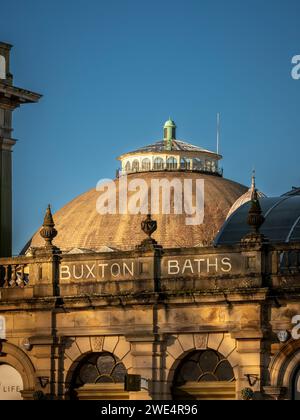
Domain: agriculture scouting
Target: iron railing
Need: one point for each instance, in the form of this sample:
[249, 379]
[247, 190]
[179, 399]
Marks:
[168, 168]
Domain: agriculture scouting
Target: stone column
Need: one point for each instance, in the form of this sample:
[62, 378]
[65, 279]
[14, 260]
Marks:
[10, 98]
[6, 146]
[147, 359]
[48, 347]
[250, 372]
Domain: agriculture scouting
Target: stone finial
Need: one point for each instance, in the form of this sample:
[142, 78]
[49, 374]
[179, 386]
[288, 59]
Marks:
[253, 183]
[48, 231]
[255, 220]
[255, 216]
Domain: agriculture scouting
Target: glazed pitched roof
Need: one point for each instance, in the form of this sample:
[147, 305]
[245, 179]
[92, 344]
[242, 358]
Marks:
[177, 145]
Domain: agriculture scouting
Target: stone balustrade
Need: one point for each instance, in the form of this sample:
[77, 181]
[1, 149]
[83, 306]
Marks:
[14, 275]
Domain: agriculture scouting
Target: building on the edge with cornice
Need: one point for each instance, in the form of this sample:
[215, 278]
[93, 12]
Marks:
[195, 311]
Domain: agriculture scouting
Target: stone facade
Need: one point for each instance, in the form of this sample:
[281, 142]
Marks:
[139, 307]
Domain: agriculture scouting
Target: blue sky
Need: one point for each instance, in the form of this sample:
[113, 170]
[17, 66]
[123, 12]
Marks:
[112, 71]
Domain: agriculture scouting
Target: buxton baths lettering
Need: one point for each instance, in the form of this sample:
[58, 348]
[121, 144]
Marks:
[130, 270]
[97, 271]
[210, 265]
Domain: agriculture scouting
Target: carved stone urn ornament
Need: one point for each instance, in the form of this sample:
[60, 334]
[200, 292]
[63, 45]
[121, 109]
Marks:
[48, 231]
[149, 226]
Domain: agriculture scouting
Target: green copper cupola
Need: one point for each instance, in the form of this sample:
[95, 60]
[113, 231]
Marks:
[169, 133]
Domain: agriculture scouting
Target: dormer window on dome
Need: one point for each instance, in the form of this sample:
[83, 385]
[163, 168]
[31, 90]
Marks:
[170, 154]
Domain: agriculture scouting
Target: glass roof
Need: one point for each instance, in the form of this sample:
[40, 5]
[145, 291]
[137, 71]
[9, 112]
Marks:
[176, 145]
[282, 222]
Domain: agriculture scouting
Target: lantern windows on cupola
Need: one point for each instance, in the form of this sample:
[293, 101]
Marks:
[170, 154]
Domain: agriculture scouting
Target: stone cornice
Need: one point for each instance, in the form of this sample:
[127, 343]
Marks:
[19, 95]
[7, 144]
[146, 299]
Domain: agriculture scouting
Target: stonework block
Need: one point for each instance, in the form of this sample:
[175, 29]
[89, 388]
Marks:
[97, 344]
[73, 352]
[175, 348]
[67, 365]
[187, 342]
[122, 348]
[214, 341]
[128, 362]
[65, 320]
[235, 359]
[143, 362]
[84, 344]
[143, 316]
[141, 395]
[249, 359]
[110, 344]
[142, 347]
[248, 346]
[169, 361]
[227, 346]
[43, 364]
[92, 319]
[24, 321]
[201, 341]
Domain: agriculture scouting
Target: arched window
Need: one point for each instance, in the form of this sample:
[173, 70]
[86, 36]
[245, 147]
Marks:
[135, 166]
[197, 164]
[213, 166]
[171, 163]
[185, 164]
[202, 375]
[2, 67]
[208, 165]
[128, 167]
[146, 164]
[96, 369]
[158, 164]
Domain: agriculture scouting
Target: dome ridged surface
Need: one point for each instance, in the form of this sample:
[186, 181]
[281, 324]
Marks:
[79, 225]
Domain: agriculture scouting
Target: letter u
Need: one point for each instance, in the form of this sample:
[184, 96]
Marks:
[74, 272]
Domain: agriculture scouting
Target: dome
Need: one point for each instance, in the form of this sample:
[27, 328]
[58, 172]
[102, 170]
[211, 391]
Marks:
[245, 198]
[79, 225]
[281, 225]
